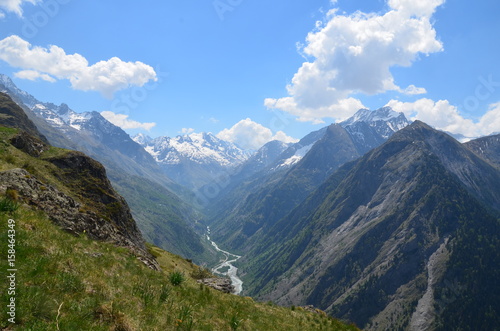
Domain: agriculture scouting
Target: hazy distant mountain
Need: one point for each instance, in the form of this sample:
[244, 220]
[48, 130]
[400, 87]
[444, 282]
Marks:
[86, 205]
[297, 151]
[266, 156]
[251, 208]
[194, 160]
[88, 132]
[487, 147]
[160, 213]
[142, 139]
[404, 238]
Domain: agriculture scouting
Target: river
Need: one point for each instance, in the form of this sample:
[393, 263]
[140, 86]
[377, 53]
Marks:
[229, 258]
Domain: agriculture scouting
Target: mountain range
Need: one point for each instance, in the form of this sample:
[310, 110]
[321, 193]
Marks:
[406, 237]
[386, 223]
[252, 207]
[193, 160]
[86, 266]
[161, 207]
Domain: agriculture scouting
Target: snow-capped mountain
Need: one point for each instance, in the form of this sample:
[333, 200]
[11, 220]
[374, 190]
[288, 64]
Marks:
[268, 153]
[293, 154]
[142, 139]
[88, 132]
[260, 160]
[62, 116]
[385, 121]
[193, 160]
[202, 148]
[8, 86]
[369, 129]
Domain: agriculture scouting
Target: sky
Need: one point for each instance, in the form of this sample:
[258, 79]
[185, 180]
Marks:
[251, 71]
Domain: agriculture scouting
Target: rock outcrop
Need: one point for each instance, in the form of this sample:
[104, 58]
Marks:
[71, 215]
[220, 284]
[29, 144]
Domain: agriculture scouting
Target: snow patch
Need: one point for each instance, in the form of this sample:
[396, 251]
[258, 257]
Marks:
[299, 155]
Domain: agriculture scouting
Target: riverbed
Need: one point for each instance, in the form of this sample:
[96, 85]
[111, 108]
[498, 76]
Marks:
[225, 263]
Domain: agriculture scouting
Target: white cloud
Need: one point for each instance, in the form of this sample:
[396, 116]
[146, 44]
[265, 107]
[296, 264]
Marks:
[251, 135]
[341, 109]
[106, 77]
[353, 54]
[413, 90]
[14, 6]
[444, 116]
[34, 75]
[187, 130]
[122, 121]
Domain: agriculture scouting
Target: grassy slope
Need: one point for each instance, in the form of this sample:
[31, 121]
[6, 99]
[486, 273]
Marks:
[157, 213]
[73, 283]
[65, 282]
[162, 217]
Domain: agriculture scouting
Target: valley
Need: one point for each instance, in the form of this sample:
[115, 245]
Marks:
[236, 165]
[377, 220]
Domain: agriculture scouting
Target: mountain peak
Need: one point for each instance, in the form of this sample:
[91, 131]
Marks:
[385, 114]
[194, 159]
[63, 109]
[418, 130]
[5, 80]
[142, 139]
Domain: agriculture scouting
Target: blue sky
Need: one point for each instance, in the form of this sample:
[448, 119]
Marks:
[245, 69]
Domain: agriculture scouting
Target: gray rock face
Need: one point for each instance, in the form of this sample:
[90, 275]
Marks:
[29, 144]
[220, 284]
[381, 242]
[67, 213]
[487, 147]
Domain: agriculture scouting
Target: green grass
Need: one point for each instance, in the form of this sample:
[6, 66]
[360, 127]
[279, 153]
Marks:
[66, 282]
[74, 283]
[8, 205]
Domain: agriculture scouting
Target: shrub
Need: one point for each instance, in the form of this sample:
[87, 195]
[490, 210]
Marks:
[8, 206]
[164, 293]
[176, 278]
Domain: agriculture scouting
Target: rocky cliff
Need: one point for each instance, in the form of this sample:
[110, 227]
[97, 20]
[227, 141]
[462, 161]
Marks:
[70, 187]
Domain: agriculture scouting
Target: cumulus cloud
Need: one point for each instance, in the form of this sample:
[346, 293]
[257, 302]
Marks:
[106, 77]
[352, 54]
[14, 6]
[122, 121]
[341, 109]
[187, 130]
[251, 135]
[444, 116]
[34, 75]
[413, 90]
